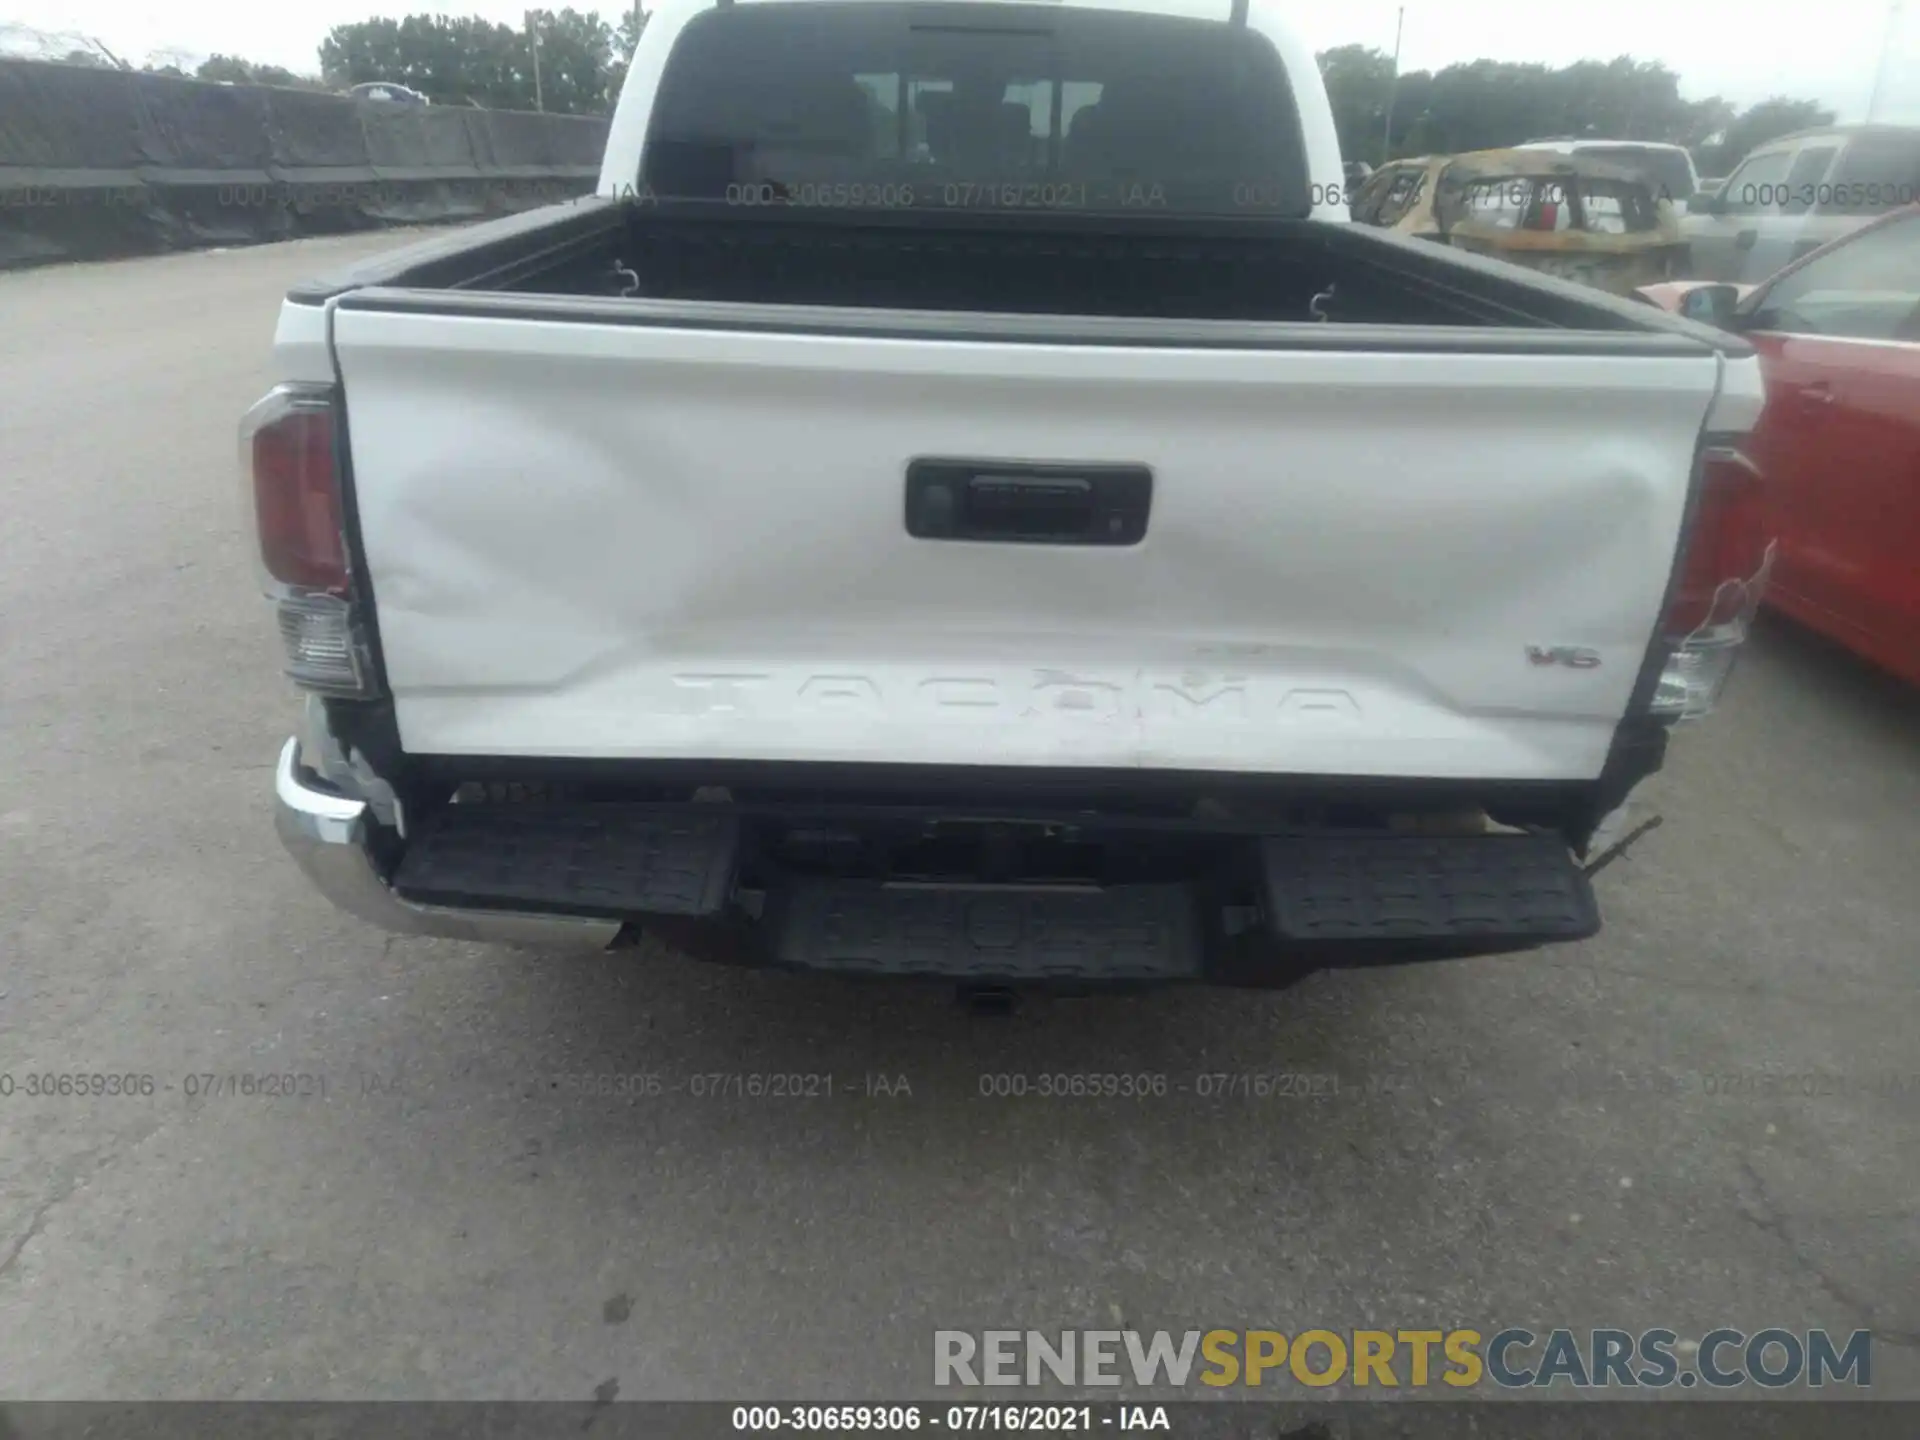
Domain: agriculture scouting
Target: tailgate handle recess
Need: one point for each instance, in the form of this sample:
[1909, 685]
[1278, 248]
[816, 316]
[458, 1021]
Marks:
[992, 501]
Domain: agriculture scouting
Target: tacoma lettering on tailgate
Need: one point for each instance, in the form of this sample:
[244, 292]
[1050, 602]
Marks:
[1229, 699]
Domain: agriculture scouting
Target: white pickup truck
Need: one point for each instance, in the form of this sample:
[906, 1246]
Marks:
[960, 500]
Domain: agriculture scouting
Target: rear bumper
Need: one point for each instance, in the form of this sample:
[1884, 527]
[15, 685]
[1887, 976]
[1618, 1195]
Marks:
[330, 837]
[1246, 907]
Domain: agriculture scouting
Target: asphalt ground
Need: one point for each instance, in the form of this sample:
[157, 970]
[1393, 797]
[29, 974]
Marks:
[1707, 1116]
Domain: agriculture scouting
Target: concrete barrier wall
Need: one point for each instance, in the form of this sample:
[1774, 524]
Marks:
[96, 163]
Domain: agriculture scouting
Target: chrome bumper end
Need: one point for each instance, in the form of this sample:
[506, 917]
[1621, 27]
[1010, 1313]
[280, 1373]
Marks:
[328, 836]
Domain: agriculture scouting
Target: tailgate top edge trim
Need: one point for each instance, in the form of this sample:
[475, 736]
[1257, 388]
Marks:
[985, 326]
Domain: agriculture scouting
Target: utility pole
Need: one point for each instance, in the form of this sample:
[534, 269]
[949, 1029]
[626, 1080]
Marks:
[1886, 53]
[1393, 89]
[533, 39]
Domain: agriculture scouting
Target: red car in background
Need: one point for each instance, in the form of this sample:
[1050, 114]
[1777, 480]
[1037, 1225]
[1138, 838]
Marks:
[1838, 333]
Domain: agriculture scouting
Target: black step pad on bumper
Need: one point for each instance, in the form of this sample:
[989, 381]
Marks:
[1135, 932]
[1402, 887]
[601, 860]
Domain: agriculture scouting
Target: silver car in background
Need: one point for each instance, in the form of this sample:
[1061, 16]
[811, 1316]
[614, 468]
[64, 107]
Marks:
[389, 91]
[1793, 195]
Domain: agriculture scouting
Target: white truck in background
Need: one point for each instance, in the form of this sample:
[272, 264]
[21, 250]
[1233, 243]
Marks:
[961, 501]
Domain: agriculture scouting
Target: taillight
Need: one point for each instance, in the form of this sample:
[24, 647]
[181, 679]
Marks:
[297, 501]
[1722, 575]
[287, 453]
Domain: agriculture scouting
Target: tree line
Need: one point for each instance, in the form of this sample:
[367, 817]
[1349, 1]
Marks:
[469, 61]
[455, 60]
[214, 67]
[1478, 105]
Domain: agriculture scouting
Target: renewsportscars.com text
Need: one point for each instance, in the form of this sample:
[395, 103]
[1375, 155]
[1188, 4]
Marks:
[1512, 1358]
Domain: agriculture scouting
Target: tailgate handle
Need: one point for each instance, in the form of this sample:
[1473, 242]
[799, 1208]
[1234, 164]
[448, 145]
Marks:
[991, 501]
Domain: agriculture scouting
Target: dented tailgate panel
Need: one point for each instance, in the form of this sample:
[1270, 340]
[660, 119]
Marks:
[596, 540]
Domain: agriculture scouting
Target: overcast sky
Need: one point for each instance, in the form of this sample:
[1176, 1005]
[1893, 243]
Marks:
[1743, 50]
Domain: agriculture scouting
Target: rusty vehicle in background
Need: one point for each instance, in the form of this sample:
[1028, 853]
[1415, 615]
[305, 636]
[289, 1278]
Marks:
[1669, 168]
[1571, 216]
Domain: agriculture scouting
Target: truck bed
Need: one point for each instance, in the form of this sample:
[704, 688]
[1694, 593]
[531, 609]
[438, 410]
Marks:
[1041, 264]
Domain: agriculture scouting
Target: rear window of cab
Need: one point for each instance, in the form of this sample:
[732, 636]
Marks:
[935, 106]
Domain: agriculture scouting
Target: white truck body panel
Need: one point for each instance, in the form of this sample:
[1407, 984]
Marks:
[603, 540]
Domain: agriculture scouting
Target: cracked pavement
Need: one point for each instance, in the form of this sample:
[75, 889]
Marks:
[1582, 1137]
